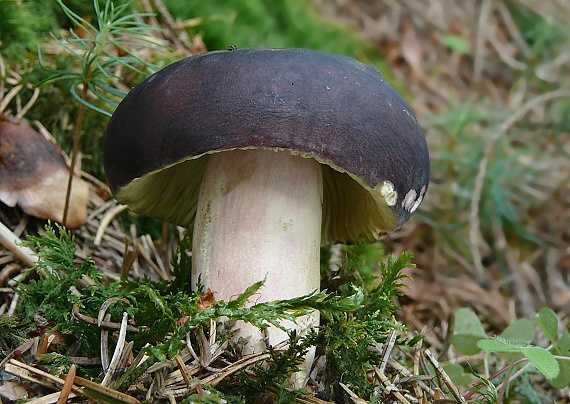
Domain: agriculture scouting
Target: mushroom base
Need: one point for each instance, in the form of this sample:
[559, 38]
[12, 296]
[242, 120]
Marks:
[259, 217]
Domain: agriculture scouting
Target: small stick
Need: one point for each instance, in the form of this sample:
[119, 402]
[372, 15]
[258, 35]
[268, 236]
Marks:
[441, 373]
[388, 350]
[353, 396]
[104, 324]
[183, 370]
[74, 152]
[390, 388]
[13, 244]
[34, 375]
[66, 389]
[419, 384]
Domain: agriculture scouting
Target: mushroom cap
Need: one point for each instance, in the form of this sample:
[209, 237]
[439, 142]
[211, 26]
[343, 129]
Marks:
[34, 175]
[316, 105]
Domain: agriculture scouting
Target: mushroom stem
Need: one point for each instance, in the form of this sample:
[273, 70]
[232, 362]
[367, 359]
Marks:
[259, 214]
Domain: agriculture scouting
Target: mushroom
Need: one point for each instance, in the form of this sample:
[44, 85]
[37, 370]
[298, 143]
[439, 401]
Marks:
[33, 175]
[267, 154]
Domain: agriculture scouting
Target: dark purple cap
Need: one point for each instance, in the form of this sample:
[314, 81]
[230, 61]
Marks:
[333, 108]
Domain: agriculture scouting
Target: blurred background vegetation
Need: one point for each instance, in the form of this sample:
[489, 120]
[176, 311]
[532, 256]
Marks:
[489, 81]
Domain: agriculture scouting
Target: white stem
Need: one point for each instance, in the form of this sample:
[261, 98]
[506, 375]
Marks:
[259, 214]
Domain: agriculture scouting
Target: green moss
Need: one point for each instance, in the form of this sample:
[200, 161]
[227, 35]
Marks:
[21, 28]
[352, 320]
[268, 23]
[25, 23]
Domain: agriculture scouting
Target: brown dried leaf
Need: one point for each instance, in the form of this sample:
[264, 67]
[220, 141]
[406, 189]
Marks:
[206, 301]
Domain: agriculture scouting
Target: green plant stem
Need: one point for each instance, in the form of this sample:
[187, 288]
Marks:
[498, 373]
[74, 152]
[505, 383]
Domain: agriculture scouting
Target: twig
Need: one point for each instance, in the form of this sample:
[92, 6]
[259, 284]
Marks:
[78, 360]
[103, 324]
[504, 53]
[13, 244]
[66, 389]
[183, 369]
[34, 375]
[353, 396]
[443, 375]
[388, 350]
[176, 35]
[74, 152]
[390, 388]
[416, 378]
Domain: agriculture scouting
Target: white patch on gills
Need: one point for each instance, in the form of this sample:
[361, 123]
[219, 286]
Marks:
[388, 192]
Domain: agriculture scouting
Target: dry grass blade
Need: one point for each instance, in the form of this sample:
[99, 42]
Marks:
[50, 398]
[105, 391]
[105, 345]
[243, 363]
[118, 351]
[353, 396]
[69, 389]
[32, 374]
[418, 380]
[391, 389]
[105, 221]
[443, 375]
